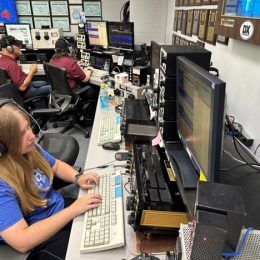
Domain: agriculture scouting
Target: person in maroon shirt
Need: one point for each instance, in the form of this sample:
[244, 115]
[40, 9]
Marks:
[11, 49]
[64, 57]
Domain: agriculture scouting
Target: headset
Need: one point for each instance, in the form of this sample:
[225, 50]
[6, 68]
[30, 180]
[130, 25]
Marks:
[4, 101]
[69, 48]
[9, 47]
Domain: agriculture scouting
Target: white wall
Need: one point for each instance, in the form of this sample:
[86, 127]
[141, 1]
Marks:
[110, 12]
[239, 67]
[150, 19]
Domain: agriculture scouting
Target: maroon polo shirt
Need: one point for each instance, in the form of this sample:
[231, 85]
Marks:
[13, 70]
[74, 72]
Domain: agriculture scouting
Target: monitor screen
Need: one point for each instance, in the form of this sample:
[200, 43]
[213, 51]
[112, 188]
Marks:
[97, 33]
[8, 13]
[242, 8]
[21, 32]
[121, 35]
[200, 116]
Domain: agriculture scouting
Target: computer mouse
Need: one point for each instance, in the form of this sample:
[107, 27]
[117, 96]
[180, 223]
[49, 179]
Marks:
[111, 146]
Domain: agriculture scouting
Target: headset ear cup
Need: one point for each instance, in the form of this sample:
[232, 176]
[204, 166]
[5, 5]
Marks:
[3, 148]
[10, 48]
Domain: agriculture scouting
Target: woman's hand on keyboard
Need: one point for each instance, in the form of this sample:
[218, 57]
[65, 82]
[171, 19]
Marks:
[85, 203]
[88, 180]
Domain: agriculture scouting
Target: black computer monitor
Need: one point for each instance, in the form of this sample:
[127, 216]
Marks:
[8, 12]
[121, 35]
[97, 33]
[21, 32]
[200, 116]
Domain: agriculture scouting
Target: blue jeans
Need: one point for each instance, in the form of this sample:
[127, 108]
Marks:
[38, 88]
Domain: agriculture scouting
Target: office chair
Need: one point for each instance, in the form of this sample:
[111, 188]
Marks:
[70, 102]
[3, 76]
[30, 103]
[62, 147]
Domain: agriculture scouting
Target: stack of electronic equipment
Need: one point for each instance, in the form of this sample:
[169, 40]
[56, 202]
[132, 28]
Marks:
[164, 84]
[136, 123]
[155, 202]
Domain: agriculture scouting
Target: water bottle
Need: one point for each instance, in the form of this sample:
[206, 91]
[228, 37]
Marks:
[103, 96]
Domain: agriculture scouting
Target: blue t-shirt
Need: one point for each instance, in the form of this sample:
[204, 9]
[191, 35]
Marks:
[10, 210]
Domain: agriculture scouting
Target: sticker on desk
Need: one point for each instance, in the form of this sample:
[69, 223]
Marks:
[118, 180]
[157, 139]
[118, 120]
[118, 192]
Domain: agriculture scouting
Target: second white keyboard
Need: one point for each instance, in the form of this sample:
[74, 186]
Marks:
[104, 226]
[99, 73]
[109, 128]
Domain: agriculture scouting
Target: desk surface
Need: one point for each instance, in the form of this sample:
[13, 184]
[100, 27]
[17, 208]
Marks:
[97, 156]
[26, 67]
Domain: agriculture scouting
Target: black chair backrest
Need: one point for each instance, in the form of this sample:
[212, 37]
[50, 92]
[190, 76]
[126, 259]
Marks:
[3, 76]
[10, 90]
[58, 78]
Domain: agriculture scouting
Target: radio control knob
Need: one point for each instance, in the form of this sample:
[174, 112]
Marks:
[131, 219]
[130, 203]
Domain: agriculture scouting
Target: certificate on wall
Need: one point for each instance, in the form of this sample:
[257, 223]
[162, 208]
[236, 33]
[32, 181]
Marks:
[192, 2]
[173, 38]
[186, 2]
[189, 23]
[179, 19]
[204, 14]
[198, 2]
[184, 21]
[206, 2]
[75, 11]
[92, 8]
[175, 21]
[40, 21]
[177, 40]
[59, 8]
[75, 2]
[61, 22]
[214, 2]
[195, 24]
[211, 35]
[26, 19]
[23, 8]
[41, 8]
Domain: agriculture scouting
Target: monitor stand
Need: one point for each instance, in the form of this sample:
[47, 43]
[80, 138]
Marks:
[183, 165]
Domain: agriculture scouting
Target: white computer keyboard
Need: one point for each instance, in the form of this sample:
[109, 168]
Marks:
[99, 73]
[104, 226]
[109, 128]
[26, 68]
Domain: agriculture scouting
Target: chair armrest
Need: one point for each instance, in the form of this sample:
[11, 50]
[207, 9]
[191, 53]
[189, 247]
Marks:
[78, 91]
[46, 111]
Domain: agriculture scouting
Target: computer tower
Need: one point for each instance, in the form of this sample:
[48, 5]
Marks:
[167, 111]
[169, 54]
[209, 235]
[168, 130]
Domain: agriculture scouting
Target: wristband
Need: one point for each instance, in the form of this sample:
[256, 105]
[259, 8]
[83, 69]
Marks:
[76, 177]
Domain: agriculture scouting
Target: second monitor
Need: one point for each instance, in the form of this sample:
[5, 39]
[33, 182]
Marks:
[121, 35]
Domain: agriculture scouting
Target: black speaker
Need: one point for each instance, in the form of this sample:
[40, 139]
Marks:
[227, 200]
[209, 236]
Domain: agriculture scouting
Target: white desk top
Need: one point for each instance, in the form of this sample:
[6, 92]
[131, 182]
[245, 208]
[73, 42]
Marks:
[97, 156]
[26, 68]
